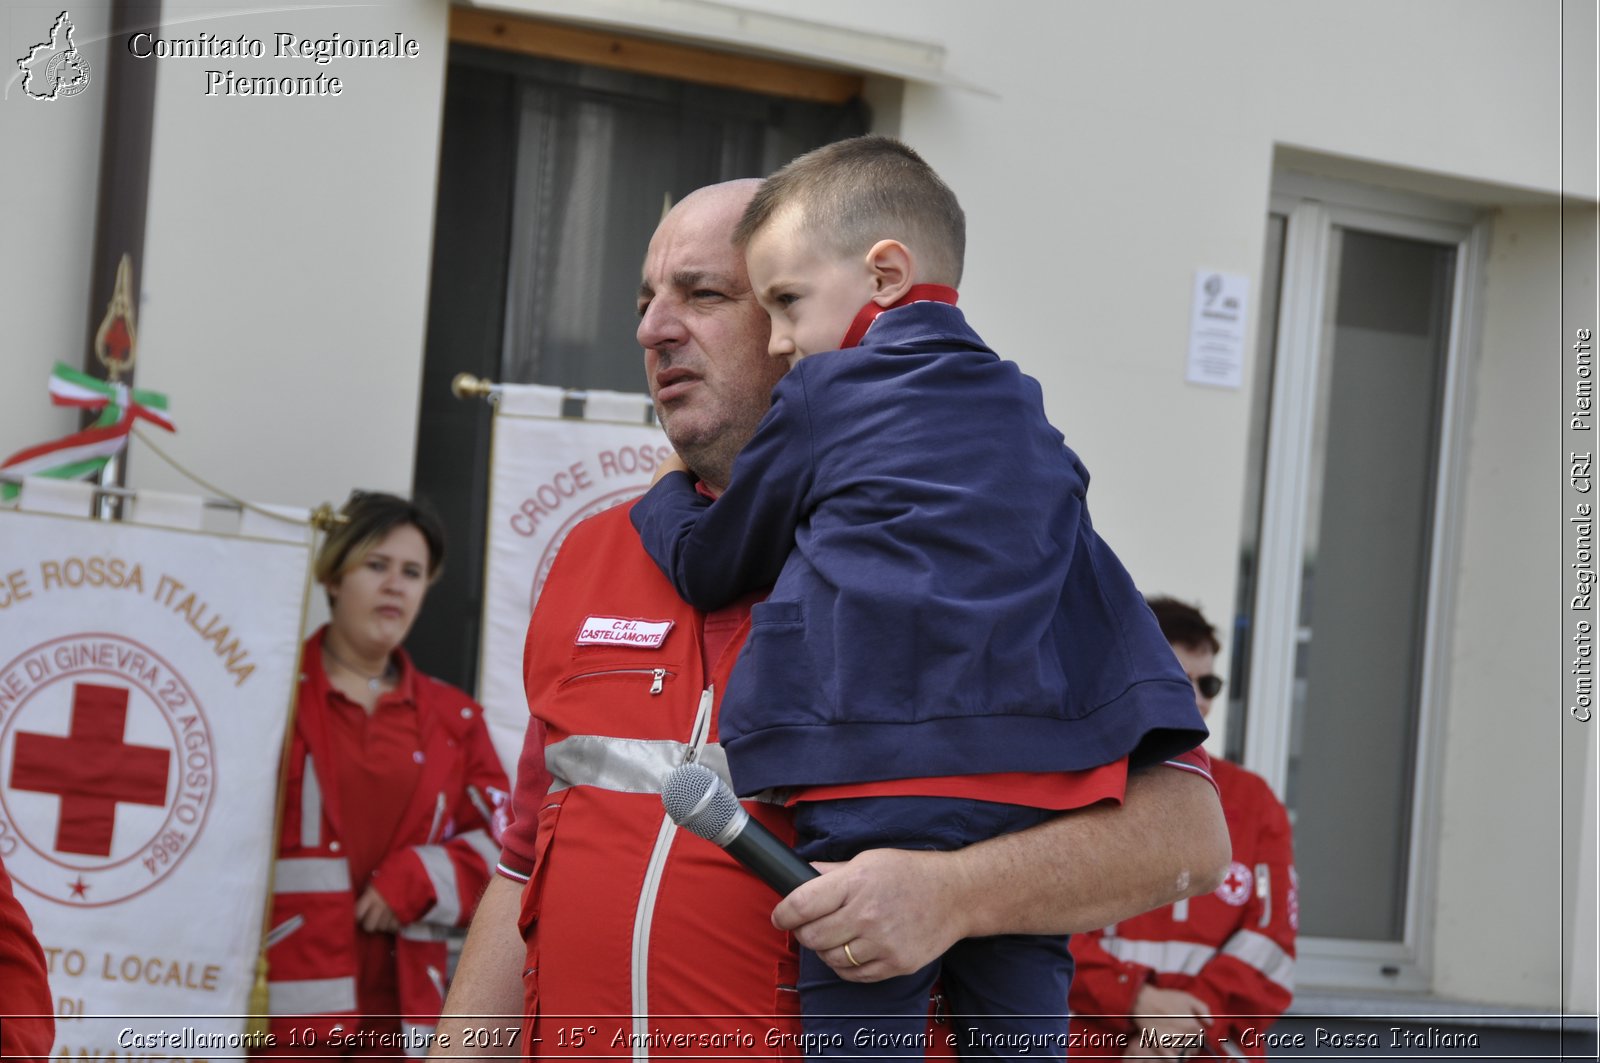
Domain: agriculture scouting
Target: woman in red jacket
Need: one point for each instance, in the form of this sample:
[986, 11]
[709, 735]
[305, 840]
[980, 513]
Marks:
[389, 830]
[1207, 976]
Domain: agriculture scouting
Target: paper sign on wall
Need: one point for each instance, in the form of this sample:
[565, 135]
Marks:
[1217, 328]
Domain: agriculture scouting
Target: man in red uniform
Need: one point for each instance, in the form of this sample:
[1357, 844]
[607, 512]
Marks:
[1206, 975]
[632, 938]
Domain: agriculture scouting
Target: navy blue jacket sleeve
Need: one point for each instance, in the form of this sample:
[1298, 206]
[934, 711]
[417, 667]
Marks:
[716, 552]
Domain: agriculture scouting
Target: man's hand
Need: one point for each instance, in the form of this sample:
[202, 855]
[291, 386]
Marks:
[888, 905]
[374, 914]
[1176, 1021]
[898, 909]
[672, 464]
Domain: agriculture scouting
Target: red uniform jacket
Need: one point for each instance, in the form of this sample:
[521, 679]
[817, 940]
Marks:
[1233, 948]
[642, 939]
[442, 855]
[23, 988]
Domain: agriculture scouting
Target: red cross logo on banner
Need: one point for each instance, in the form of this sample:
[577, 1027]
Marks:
[92, 769]
[107, 769]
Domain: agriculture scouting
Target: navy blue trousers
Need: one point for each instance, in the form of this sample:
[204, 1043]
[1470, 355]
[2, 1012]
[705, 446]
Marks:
[1006, 995]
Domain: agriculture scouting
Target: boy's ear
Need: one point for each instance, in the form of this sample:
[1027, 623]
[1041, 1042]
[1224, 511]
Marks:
[893, 271]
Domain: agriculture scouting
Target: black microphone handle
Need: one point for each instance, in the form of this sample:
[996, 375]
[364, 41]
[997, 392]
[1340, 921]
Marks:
[773, 862]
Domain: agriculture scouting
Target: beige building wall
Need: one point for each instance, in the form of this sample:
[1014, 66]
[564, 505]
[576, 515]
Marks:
[1499, 843]
[288, 256]
[47, 204]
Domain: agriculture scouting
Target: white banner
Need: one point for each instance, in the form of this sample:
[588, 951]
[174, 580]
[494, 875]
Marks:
[145, 681]
[547, 473]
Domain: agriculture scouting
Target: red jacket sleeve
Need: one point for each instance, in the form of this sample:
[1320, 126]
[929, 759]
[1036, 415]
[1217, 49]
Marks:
[1103, 987]
[1252, 974]
[28, 1026]
[441, 883]
[519, 842]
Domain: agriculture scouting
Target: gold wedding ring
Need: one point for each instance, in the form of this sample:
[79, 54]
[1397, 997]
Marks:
[851, 956]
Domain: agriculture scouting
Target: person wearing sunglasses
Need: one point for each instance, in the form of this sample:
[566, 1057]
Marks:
[1203, 977]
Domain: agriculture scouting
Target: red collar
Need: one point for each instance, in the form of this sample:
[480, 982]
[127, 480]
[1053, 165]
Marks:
[918, 293]
[405, 687]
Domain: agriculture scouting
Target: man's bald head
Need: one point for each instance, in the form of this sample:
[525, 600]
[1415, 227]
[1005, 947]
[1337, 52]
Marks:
[713, 205]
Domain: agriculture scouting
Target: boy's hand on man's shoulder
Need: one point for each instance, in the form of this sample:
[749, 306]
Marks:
[672, 464]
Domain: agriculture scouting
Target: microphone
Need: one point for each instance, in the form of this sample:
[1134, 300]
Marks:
[697, 800]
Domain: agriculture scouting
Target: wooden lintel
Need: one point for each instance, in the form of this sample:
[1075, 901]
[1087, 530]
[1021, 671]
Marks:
[702, 66]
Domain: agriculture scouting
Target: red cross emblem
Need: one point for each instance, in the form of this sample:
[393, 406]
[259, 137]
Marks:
[1236, 885]
[91, 769]
[107, 769]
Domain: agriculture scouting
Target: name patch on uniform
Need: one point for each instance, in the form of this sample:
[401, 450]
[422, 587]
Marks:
[617, 631]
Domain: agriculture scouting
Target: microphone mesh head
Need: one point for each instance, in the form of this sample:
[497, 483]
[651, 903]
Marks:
[697, 800]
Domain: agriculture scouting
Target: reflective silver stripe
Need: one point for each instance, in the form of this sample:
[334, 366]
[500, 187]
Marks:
[1180, 910]
[480, 804]
[417, 1038]
[632, 765]
[623, 765]
[442, 876]
[310, 806]
[312, 996]
[311, 874]
[1168, 957]
[1264, 954]
[438, 817]
[481, 844]
[284, 929]
[429, 932]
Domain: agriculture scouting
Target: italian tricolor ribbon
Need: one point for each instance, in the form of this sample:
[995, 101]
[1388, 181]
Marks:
[85, 453]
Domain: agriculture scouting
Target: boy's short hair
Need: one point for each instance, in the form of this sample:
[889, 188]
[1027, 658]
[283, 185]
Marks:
[369, 518]
[856, 192]
[1184, 625]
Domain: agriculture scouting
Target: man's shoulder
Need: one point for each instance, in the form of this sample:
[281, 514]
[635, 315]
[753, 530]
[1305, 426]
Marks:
[607, 537]
[610, 522]
[601, 558]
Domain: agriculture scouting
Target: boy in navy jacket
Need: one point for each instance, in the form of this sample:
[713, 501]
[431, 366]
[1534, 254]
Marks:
[949, 652]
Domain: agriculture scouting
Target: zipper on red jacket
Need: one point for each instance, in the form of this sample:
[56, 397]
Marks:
[658, 676]
[644, 914]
